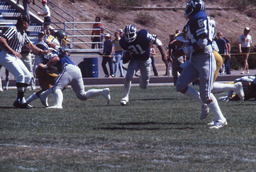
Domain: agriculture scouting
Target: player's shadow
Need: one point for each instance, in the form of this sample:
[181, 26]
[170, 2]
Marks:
[148, 126]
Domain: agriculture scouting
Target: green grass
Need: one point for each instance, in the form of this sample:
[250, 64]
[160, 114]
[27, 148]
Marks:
[159, 130]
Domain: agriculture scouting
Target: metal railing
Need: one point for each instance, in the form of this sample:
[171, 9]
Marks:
[82, 36]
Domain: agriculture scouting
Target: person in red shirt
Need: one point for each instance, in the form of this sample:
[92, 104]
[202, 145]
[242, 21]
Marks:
[97, 32]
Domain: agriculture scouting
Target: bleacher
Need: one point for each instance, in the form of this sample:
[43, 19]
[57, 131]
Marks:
[9, 12]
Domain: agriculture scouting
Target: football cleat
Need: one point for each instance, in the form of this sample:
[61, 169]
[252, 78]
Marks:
[211, 123]
[219, 124]
[25, 106]
[239, 90]
[124, 101]
[204, 111]
[224, 98]
[54, 107]
[44, 100]
[106, 94]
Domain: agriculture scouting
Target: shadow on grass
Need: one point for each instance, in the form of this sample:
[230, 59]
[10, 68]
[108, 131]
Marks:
[144, 126]
[7, 107]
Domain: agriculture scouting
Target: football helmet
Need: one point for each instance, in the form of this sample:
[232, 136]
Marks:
[62, 38]
[130, 33]
[194, 6]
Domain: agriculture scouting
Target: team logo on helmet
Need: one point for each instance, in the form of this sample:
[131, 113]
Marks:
[130, 33]
[193, 7]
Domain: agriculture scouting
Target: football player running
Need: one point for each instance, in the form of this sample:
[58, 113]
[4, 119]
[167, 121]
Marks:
[138, 46]
[202, 64]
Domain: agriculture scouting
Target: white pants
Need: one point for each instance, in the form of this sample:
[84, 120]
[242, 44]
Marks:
[16, 67]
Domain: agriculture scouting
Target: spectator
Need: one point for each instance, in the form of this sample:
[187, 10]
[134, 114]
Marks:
[118, 55]
[121, 32]
[26, 6]
[169, 55]
[107, 56]
[223, 49]
[245, 42]
[47, 17]
[97, 32]
[180, 41]
[227, 59]
[152, 53]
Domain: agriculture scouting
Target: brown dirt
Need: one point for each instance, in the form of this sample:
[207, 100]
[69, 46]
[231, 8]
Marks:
[230, 22]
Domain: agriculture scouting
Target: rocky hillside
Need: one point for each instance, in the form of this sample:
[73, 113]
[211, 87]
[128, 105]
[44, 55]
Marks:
[160, 22]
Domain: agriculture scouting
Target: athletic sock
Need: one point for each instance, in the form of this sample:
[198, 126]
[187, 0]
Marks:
[192, 93]
[214, 107]
[31, 98]
[219, 87]
[58, 95]
[127, 88]
[93, 93]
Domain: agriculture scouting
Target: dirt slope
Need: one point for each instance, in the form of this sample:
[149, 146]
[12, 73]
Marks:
[229, 22]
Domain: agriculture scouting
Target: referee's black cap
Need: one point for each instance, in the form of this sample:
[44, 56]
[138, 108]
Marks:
[21, 19]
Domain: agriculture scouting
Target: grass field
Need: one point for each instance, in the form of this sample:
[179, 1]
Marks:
[159, 130]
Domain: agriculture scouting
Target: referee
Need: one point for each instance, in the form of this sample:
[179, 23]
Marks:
[11, 43]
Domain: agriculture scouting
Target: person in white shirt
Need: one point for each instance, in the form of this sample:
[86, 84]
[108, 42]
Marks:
[245, 42]
[47, 17]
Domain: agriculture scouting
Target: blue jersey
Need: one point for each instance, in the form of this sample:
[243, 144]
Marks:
[221, 45]
[140, 47]
[64, 60]
[198, 26]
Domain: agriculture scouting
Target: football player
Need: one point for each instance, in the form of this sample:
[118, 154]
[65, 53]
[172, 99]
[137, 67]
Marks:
[138, 46]
[202, 63]
[69, 74]
[248, 85]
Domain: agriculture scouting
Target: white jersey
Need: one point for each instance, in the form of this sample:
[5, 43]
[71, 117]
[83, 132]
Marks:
[46, 10]
[245, 41]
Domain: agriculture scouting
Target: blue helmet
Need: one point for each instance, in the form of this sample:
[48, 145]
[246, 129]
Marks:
[130, 33]
[194, 6]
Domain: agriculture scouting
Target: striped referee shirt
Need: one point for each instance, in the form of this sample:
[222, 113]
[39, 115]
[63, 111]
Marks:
[16, 39]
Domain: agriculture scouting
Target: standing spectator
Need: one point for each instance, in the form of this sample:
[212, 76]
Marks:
[245, 42]
[107, 56]
[118, 55]
[10, 48]
[228, 57]
[97, 32]
[179, 42]
[26, 6]
[169, 55]
[223, 49]
[137, 44]
[152, 54]
[47, 17]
